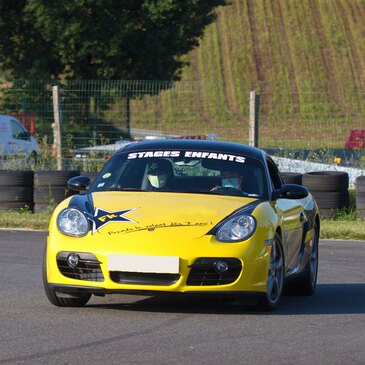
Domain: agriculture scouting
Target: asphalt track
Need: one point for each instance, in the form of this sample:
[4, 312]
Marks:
[328, 328]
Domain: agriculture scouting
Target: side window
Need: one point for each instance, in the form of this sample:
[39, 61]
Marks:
[274, 174]
[17, 130]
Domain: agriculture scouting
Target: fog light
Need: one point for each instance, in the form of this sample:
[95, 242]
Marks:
[221, 266]
[73, 260]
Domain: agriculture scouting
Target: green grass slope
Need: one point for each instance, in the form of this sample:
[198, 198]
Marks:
[306, 58]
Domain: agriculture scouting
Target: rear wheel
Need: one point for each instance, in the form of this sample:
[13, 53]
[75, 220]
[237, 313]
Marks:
[307, 283]
[59, 299]
[275, 278]
[32, 159]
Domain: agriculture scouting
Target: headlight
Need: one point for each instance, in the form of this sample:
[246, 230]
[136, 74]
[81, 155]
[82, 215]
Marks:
[237, 228]
[72, 222]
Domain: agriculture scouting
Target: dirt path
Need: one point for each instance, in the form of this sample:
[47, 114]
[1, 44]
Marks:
[357, 68]
[199, 99]
[326, 54]
[260, 70]
[276, 9]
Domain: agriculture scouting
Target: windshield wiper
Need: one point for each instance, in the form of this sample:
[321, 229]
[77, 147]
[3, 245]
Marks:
[124, 189]
[131, 189]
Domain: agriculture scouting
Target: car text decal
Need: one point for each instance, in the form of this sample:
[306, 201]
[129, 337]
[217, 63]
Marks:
[190, 154]
[153, 226]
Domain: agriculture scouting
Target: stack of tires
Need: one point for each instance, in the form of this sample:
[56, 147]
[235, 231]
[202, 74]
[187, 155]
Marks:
[329, 189]
[360, 196]
[292, 177]
[16, 190]
[50, 188]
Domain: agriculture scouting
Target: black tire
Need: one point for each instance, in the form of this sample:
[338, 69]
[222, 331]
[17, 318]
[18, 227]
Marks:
[360, 201]
[332, 199]
[77, 300]
[328, 213]
[307, 281]
[360, 213]
[360, 184]
[42, 207]
[292, 178]
[11, 194]
[52, 194]
[275, 280]
[53, 178]
[16, 178]
[326, 181]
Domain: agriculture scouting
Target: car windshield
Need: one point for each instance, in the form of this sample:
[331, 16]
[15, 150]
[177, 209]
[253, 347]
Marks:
[202, 172]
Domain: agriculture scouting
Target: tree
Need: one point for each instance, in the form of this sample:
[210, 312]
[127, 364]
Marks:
[101, 39]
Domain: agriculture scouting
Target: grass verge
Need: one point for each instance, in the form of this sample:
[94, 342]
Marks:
[25, 220]
[341, 228]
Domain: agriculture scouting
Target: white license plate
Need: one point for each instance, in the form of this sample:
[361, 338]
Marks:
[147, 264]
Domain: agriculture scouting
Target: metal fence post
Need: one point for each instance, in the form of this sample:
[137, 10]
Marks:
[253, 135]
[129, 116]
[57, 142]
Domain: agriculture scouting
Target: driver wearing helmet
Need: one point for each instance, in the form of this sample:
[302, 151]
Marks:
[232, 179]
[160, 174]
[231, 183]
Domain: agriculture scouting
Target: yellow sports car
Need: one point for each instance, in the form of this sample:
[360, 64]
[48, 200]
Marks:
[183, 216]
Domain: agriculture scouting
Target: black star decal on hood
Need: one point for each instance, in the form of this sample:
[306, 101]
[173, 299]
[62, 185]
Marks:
[103, 217]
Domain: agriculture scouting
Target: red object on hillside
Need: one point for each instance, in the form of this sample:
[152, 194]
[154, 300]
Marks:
[27, 119]
[356, 140]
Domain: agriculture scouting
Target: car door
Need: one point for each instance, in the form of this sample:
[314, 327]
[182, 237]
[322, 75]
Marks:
[292, 216]
[19, 140]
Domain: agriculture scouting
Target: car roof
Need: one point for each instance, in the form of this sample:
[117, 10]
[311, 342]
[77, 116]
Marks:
[187, 144]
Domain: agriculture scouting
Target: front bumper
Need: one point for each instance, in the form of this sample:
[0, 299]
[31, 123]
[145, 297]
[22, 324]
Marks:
[196, 274]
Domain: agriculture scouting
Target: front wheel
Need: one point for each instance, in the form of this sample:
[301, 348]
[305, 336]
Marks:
[275, 278]
[74, 300]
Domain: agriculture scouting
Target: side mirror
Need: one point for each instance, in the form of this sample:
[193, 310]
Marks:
[79, 183]
[291, 191]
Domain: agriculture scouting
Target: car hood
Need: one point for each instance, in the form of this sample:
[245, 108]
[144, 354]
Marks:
[132, 212]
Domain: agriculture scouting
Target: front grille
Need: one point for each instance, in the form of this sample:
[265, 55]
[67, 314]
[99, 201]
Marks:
[87, 269]
[204, 272]
[139, 278]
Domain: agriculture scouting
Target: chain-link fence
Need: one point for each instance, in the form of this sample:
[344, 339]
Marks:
[101, 112]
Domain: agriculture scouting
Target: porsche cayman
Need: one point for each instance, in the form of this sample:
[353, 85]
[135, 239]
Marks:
[185, 217]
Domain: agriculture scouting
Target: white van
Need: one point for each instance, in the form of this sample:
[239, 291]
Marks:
[15, 139]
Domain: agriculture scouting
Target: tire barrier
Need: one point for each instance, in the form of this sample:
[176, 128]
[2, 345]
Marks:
[326, 180]
[41, 190]
[360, 197]
[292, 177]
[50, 188]
[16, 190]
[329, 189]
